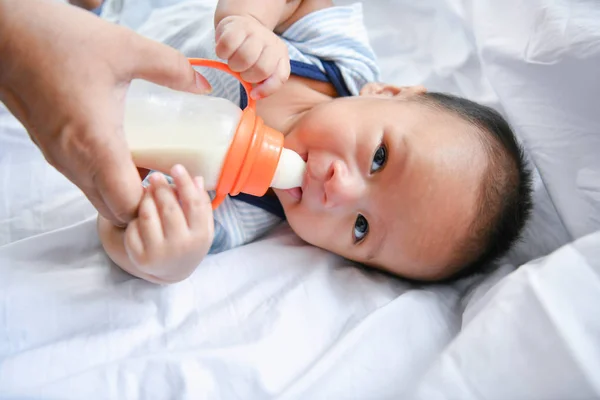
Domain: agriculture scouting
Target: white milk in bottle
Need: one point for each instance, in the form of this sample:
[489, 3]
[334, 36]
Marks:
[165, 127]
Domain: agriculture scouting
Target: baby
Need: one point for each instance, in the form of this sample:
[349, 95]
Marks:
[426, 186]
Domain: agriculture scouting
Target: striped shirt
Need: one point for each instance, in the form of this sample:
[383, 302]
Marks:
[333, 35]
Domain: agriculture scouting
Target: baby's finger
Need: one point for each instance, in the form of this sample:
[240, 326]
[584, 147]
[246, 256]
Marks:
[149, 225]
[200, 214]
[171, 216]
[265, 66]
[274, 82]
[188, 193]
[229, 41]
[133, 240]
[246, 55]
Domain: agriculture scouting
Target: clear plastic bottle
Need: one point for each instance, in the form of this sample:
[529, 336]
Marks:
[232, 149]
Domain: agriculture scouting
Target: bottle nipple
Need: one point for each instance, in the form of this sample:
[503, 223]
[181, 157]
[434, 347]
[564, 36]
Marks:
[290, 170]
[256, 158]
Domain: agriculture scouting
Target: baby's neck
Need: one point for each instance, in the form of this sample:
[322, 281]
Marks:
[282, 110]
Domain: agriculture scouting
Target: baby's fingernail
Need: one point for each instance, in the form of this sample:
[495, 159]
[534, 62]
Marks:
[154, 178]
[157, 178]
[202, 84]
[199, 181]
[178, 170]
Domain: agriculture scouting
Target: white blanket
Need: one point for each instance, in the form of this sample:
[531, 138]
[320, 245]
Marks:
[280, 319]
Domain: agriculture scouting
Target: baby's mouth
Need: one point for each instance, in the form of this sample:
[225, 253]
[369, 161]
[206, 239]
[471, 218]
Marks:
[297, 192]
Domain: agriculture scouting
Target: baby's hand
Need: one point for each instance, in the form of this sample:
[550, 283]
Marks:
[174, 228]
[255, 51]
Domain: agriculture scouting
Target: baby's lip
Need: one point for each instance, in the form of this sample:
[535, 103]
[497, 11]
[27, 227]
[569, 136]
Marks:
[308, 184]
[311, 191]
[296, 193]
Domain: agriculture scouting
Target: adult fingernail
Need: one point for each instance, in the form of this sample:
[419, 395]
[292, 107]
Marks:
[202, 84]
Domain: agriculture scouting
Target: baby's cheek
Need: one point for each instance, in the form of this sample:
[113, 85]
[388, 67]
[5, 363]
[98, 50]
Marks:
[304, 223]
[291, 142]
[299, 223]
[320, 229]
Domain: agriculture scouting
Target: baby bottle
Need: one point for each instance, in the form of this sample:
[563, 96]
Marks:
[232, 149]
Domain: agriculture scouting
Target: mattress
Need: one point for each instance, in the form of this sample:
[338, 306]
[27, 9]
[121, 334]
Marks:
[280, 319]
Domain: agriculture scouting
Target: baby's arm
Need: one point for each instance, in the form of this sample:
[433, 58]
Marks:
[245, 37]
[171, 235]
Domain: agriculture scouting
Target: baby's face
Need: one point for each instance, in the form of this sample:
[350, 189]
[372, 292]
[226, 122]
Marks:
[390, 183]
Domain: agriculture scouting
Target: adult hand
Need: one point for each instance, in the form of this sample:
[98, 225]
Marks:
[64, 74]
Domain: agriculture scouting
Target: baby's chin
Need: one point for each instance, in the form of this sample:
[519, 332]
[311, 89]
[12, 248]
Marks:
[289, 203]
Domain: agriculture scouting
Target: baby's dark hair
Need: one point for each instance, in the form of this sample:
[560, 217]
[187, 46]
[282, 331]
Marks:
[505, 193]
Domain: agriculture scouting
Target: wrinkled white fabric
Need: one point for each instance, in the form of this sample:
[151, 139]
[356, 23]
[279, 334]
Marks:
[280, 319]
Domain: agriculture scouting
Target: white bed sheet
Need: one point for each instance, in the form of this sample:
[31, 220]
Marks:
[279, 319]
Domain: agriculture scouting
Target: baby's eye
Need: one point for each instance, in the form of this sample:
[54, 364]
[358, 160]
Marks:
[361, 228]
[379, 159]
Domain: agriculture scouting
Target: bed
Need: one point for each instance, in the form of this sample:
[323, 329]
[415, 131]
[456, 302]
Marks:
[280, 319]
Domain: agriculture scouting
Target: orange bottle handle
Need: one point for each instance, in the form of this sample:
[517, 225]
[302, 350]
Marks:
[244, 135]
[203, 62]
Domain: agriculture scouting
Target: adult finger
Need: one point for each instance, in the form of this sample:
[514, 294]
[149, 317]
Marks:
[165, 66]
[100, 165]
[117, 180]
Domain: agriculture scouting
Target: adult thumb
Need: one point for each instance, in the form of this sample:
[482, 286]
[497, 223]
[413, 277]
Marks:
[165, 66]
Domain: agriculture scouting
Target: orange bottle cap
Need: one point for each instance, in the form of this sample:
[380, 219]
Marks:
[254, 153]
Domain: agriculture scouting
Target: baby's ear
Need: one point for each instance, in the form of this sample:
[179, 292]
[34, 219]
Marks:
[387, 90]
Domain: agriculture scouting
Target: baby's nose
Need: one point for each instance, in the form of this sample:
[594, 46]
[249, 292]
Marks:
[342, 187]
